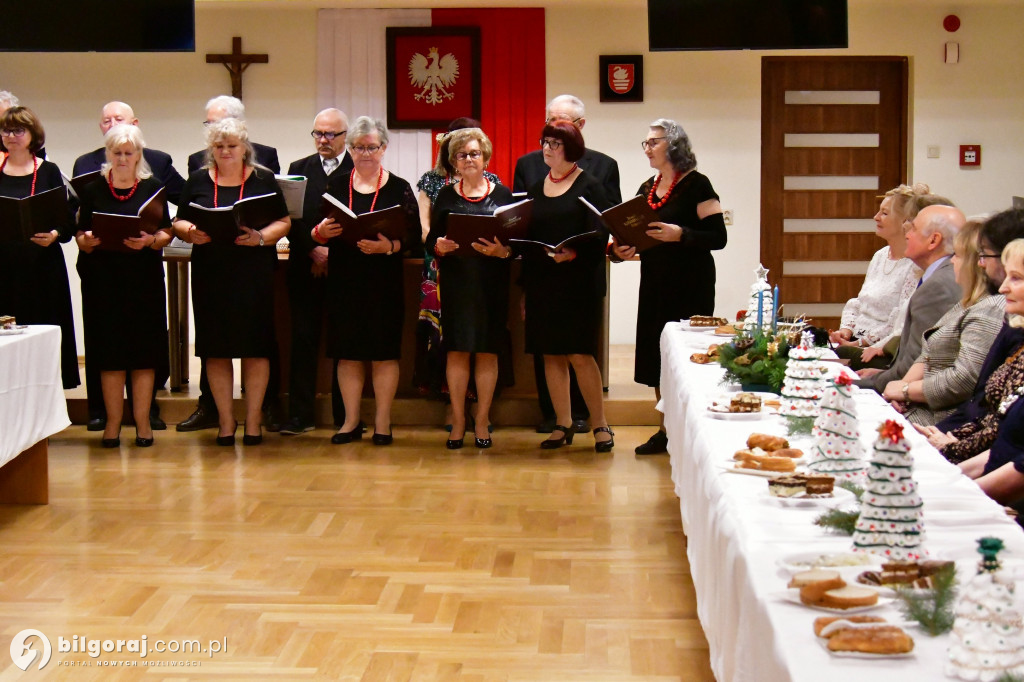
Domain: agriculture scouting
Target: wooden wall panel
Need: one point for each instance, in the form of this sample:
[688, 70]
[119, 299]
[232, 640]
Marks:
[829, 204]
[830, 245]
[833, 161]
[819, 288]
[830, 118]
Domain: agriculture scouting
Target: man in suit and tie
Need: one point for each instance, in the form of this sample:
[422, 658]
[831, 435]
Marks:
[205, 415]
[226, 106]
[117, 113]
[307, 272]
[112, 114]
[531, 169]
[930, 245]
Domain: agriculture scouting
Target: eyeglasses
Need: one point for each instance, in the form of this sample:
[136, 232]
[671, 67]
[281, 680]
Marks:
[13, 132]
[550, 143]
[652, 142]
[983, 256]
[474, 155]
[554, 119]
[372, 149]
[318, 134]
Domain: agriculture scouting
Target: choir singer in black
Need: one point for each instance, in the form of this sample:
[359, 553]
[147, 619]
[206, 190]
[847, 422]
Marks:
[474, 290]
[307, 272]
[123, 295]
[232, 283]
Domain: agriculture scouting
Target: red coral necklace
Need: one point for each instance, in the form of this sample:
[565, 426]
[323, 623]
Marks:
[351, 181]
[478, 199]
[216, 175]
[651, 196]
[35, 171]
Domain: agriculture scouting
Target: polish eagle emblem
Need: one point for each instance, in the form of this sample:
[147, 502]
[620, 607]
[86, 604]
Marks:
[433, 74]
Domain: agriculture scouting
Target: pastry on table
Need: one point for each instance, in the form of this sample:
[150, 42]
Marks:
[745, 402]
[820, 623]
[707, 321]
[881, 640]
[767, 442]
[787, 486]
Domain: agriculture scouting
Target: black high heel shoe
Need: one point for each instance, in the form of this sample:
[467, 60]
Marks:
[143, 442]
[114, 442]
[553, 443]
[382, 438]
[342, 437]
[248, 439]
[229, 440]
[604, 445]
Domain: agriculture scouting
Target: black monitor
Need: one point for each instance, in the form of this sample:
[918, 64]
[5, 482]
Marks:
[99, 26]
[746, 24]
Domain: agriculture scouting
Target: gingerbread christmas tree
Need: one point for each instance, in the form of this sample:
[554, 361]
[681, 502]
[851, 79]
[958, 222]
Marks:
[837, 450]
[890, 522]
[806, 379]
[987, 641]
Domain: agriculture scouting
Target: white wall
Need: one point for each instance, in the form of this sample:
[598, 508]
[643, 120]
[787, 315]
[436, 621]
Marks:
[715, 95]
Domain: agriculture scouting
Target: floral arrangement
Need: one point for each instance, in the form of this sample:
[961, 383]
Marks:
[758, 360]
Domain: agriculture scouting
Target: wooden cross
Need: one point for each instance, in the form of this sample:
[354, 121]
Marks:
[236, 62]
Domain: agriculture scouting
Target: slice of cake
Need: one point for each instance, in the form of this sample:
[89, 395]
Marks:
[787, 486]
[745, 402]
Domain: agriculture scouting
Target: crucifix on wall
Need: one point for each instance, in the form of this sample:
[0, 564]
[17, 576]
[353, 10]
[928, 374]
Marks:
[236, 62]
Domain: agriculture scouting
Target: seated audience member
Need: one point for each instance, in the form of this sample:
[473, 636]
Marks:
[870, 319]
[955, 348]
[998, 231]
[929, 244]
[999, 469]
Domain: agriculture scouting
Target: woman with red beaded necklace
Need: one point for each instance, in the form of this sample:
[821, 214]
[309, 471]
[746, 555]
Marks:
[33, 274]
[677, 278]
[366, 300]
[565, 289]
[233, 284]
[123, 294]
[474, 290]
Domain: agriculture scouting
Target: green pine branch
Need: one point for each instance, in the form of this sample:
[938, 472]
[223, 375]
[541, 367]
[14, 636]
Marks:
[932, 607]
[838, 521]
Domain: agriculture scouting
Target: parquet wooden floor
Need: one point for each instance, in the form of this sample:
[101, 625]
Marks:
[357, 562]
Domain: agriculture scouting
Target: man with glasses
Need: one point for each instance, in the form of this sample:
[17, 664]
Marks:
[531, 169]
[205, 415]
[307, 273]
[112, 114]
[225, 106]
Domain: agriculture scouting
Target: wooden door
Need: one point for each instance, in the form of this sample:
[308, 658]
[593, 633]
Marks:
[833, 139]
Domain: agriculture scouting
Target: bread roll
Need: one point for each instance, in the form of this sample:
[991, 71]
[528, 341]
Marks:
[885, 639]
[788, 452]
[766, 442]
[821, 623]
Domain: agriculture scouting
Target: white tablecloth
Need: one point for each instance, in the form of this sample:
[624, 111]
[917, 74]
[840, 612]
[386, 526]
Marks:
[736, 534]
[32, 405]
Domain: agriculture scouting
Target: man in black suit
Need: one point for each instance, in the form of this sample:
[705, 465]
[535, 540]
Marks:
[112, 114]
[117, 113]
[531, 169]
[307, 273]
[930, 245]
[205, 415]
[226, 106]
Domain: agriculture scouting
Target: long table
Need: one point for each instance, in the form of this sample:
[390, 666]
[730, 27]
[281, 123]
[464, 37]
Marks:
[736, 535]
[32, 408]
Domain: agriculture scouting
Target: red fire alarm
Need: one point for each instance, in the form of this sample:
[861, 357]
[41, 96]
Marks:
[970, 155]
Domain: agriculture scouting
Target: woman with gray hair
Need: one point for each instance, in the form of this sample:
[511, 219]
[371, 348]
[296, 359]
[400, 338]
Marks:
[366, 300]
[232, 284]
[123, 291]
[677, 277]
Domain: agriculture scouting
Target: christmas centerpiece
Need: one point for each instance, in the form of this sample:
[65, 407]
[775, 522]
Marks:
[890, 522]
[987, 642]
[837, 450]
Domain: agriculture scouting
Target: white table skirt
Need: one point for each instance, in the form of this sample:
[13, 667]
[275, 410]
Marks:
[735, 534]
[32, 405]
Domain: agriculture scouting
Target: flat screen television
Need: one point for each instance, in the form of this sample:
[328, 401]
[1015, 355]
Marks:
[746, 24]
[100, 26]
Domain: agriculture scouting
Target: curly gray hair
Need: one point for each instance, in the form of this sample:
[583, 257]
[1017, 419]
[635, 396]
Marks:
[680, 153]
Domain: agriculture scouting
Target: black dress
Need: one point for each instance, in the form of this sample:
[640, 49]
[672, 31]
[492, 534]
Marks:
[564, 300]
[474, 290]
[124, 307]
[233, 286]
[34, 279]
[366, 300]
[677, 279]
